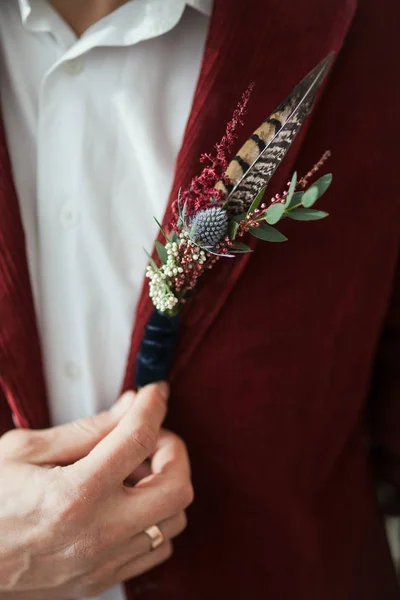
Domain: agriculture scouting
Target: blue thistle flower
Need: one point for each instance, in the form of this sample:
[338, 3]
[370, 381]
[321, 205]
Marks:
[209, 226]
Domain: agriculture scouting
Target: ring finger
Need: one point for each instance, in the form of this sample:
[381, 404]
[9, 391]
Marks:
[140, 544]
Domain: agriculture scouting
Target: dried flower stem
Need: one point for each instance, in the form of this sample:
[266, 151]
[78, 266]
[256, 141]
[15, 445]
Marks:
[303, 182]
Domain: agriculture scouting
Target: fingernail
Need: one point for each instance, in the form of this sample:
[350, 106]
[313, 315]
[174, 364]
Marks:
[122, 405]
[163, 388]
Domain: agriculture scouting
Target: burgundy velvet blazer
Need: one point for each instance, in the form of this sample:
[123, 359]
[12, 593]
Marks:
[281, 351]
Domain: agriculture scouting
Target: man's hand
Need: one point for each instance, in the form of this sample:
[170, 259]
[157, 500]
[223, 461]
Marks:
[72, 531]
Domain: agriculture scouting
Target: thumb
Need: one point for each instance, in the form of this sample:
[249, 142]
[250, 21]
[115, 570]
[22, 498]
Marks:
[63, 444]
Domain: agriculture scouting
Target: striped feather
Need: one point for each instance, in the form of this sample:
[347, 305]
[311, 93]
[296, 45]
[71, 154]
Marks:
[258, 159]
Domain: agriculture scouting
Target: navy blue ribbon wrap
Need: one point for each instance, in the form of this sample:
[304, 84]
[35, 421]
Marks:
[154, 359]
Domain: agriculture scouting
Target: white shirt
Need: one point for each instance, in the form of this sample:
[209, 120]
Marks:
[94, 126]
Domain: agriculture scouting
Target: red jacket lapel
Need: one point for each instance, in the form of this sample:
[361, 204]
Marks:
[21, 374]
[275, 56]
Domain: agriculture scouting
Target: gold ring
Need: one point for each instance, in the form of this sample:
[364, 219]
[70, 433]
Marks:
[156, 536]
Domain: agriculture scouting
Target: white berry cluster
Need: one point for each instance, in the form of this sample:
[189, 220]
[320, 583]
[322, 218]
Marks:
[171, 268]
[162, 297]
[159, 288]
[160, 293]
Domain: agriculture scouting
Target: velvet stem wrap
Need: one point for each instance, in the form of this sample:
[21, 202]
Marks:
[154, 358]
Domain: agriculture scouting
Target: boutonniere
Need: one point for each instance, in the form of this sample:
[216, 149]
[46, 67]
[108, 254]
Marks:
[223, 205]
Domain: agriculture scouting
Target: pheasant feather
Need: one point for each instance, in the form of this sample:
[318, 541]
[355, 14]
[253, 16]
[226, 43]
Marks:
[258, 159]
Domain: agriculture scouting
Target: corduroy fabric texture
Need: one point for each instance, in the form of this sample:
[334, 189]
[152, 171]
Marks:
[277, 354]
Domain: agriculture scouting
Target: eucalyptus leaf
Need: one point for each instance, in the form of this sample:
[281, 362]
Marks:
[307, 214]
[232, 229]
[240, 247]
[323, 183]
[267, 233]
[257, 201]
[292, 187]
[295, 200]
[310, 196]
[161, 251]
[274, 213]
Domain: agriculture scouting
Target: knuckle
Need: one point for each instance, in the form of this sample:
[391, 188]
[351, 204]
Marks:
[19, 442]
[180, 496]
[184, 495]
[144, 436]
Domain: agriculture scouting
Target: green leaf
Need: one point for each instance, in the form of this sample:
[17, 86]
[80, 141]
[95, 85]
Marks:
[306, 214]
[323, 183]
[275, 213]
[151, 261]
[310, 196]
[296, 199]
[292, 187]
[240, 247]
[267, 233]
[161, 228]
[257, 201]
[162, 252]
[232, 229]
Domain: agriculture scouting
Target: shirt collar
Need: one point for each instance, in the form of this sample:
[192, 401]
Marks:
[25, 7]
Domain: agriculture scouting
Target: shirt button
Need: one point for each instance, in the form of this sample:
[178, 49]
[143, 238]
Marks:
[69, 216]
[74, 66]
[72, 371]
